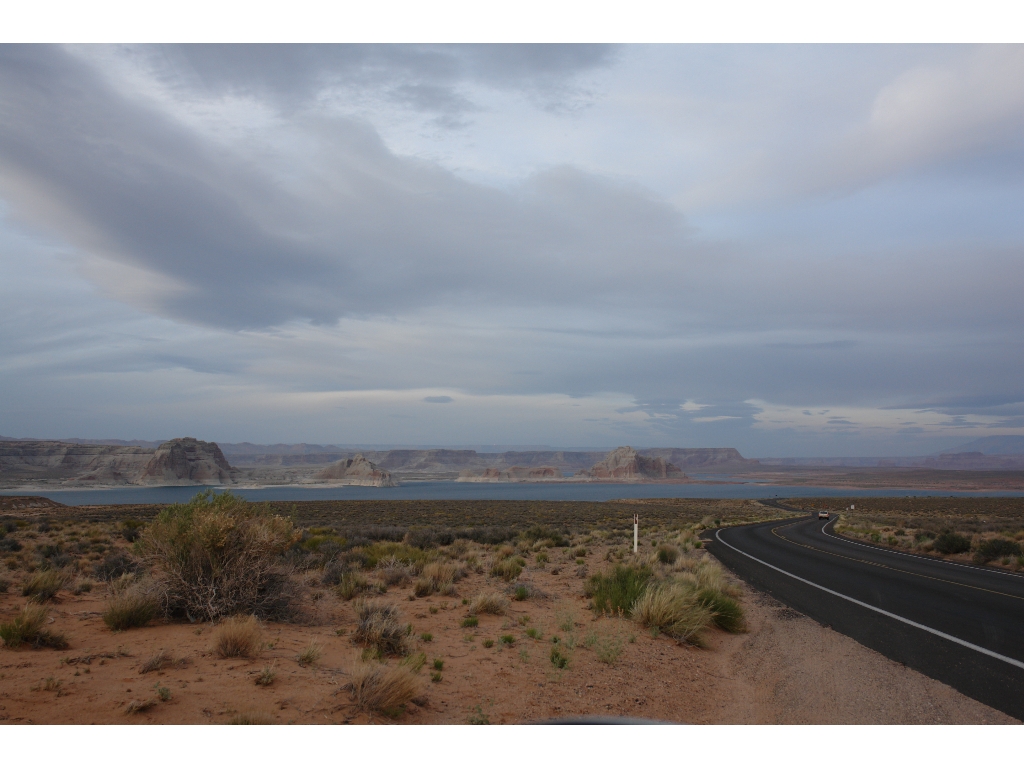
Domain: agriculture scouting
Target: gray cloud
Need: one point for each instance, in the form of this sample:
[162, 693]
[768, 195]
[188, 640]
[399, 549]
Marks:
[282, 241]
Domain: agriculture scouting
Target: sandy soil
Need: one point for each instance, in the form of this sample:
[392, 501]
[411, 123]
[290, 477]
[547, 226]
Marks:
[786, 669]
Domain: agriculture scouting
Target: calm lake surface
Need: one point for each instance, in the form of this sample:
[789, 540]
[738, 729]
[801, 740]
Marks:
[496, 491]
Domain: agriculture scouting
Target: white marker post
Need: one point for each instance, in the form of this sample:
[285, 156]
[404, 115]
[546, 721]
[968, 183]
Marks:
[636, 530]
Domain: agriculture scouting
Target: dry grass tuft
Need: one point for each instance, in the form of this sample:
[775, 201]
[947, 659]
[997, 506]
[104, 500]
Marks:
[310, 655]
[266, 676]
[132, 605]
[384, 690]
[44, 585]
[675, 609]
[381, 628]
[239, 637]
[489, 602]
[27, 627]
[162, 660]
[134, 707]
[507, 568]
[251, 718]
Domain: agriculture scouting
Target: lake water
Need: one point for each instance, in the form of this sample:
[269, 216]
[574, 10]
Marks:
[473, 491]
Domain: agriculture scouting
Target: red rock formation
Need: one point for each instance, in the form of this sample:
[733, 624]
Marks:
[512, 474]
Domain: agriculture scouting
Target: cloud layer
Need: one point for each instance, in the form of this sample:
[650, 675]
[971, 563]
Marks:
[696, 245]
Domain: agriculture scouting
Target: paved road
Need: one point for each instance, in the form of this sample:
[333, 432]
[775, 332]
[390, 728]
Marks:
[962, 625]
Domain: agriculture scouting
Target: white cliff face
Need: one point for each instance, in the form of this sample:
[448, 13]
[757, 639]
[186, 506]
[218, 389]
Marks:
[356, 471]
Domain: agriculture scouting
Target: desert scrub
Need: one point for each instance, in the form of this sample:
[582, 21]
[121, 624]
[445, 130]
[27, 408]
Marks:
[219, 555]
[350, 585]
[437, 577]
[470, 621]
[27, 627]
[616, 592]
[381, 628]
[394, 551]
[507, 568]
[238, 637]
[996, 548]
[132, 604]
[383, 690]
[393, 571]
[44, 585]
[489, 602]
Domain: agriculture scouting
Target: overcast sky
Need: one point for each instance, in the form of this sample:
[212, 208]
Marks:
[792, 250]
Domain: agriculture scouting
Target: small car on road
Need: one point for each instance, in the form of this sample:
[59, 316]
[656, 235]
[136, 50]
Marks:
[822, 514]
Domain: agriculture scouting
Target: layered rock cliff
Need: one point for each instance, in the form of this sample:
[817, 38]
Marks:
[626, 464]
[184, 461]
[187, 461]
[356, 471]
[511, 475]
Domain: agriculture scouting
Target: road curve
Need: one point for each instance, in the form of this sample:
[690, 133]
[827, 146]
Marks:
[960, 624]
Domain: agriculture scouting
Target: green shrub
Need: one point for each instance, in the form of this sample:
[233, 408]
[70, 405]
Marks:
[616, 592]
[438, 664]
[488, 643]
[726, 613]
[470, 621]
[994, 548]
[951, 543]
[507, 639]
[218, 555]
[667, 554]
[522, 592]
[533, 633]
[559, 659]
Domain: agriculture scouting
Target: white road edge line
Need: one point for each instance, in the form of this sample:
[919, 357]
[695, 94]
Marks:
[916, 557]
[937, 633]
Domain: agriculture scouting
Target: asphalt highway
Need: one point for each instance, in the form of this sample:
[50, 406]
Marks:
[960, 624]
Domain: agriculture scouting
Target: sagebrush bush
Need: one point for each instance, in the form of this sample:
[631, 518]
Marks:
[616, 592]
[951, 543]
[131, 605]
[381, 628]
[219, 555]
[351, 584]
[117, 564]
[489, 602]
[44, 585]
[384, 690]
[28, 627]
[993, 548]
[238, 637]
